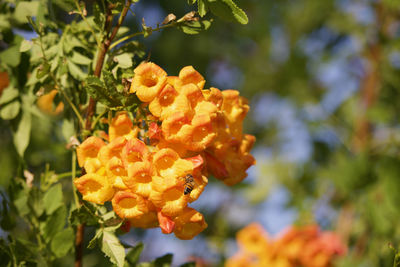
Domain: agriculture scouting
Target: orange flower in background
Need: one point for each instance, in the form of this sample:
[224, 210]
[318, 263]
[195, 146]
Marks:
[296, 246]
[46, 103]
[4, 81]
[153, 168]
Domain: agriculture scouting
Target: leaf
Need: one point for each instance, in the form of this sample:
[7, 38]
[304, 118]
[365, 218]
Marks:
[228, 10]
[26, 9]
[84, 214]
[124, 60]
[194, 27]
[68, 129]
[10, 111]
[53, 199]
[80, 59]
[202, 7]
[98, 90]
[11, 56]
[22, 135]
[75, 71]
[26, 45]
[8, 94]
[163, 261]
[62, 242]
[133, 255]
[189, 264]
[43, 70]
[96, 239]
[113, 248]
[54, 223]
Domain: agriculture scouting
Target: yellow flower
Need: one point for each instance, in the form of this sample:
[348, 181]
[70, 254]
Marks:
[189, 75]
[129, 205]
[121, 125]
[94, 188]
[189, 224]
[89, 149]
[139, 178]
[148, 81]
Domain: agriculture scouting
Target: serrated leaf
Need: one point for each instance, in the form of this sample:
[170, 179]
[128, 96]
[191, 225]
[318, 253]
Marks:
[133, 255]
[96, 239]
[80, 59]
[84, 214]
[22, 135]
[194, 27]
[228, 10]
[113, 248]
[10, 111]
[62, 242]
[53, 199]
[105, 94]
[26, 45]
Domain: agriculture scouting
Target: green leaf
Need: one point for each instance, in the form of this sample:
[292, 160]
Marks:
[62, 242]
[8, 94]
[22, 135]
[53, 199]
[133, 255]
[54, 223]
[84, 214]
[202, 7]
[80, 59]
[189, 264]
[26, 45]
[228, 10]
[10, 111]
[26, 9]
[164, 261]
[106, 95]
[113, 248]
[124, 60]
[11, 56]
[68, 129]
[96, 239]
[43, 70]
[75, 71]
[35, 201]
[194, 27]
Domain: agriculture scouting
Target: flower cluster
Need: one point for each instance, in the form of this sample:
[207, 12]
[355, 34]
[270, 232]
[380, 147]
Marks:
[190, 133]
[307, 247]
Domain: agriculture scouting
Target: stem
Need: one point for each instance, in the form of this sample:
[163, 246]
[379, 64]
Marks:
[96, 120]
[79, 244]
[73, 175]
[140, 33]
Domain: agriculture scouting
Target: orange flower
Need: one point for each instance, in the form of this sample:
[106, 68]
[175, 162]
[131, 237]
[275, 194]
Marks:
[167, 225]
[139, 178]
[94, 188]
[116, 173]
[129, 205]
[89, 149]
[213, 95]
[121, 125]
[253, 239]
[148, 81]
[4, 81]
[147, 220]
[171, 202]
[46, 103]
[169, 165]
[189, 224]
[134, 151]
[113, 149]
[189, 75]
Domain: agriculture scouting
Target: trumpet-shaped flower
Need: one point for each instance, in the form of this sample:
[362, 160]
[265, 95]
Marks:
[189, 224]
[121, 125]
[129, 205]
[148, 81]
[94, 188]
[89, 149]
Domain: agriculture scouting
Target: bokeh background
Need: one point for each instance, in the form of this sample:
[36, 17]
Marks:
[323, 81]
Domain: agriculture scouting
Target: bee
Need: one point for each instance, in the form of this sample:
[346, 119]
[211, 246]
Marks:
[189, 184]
